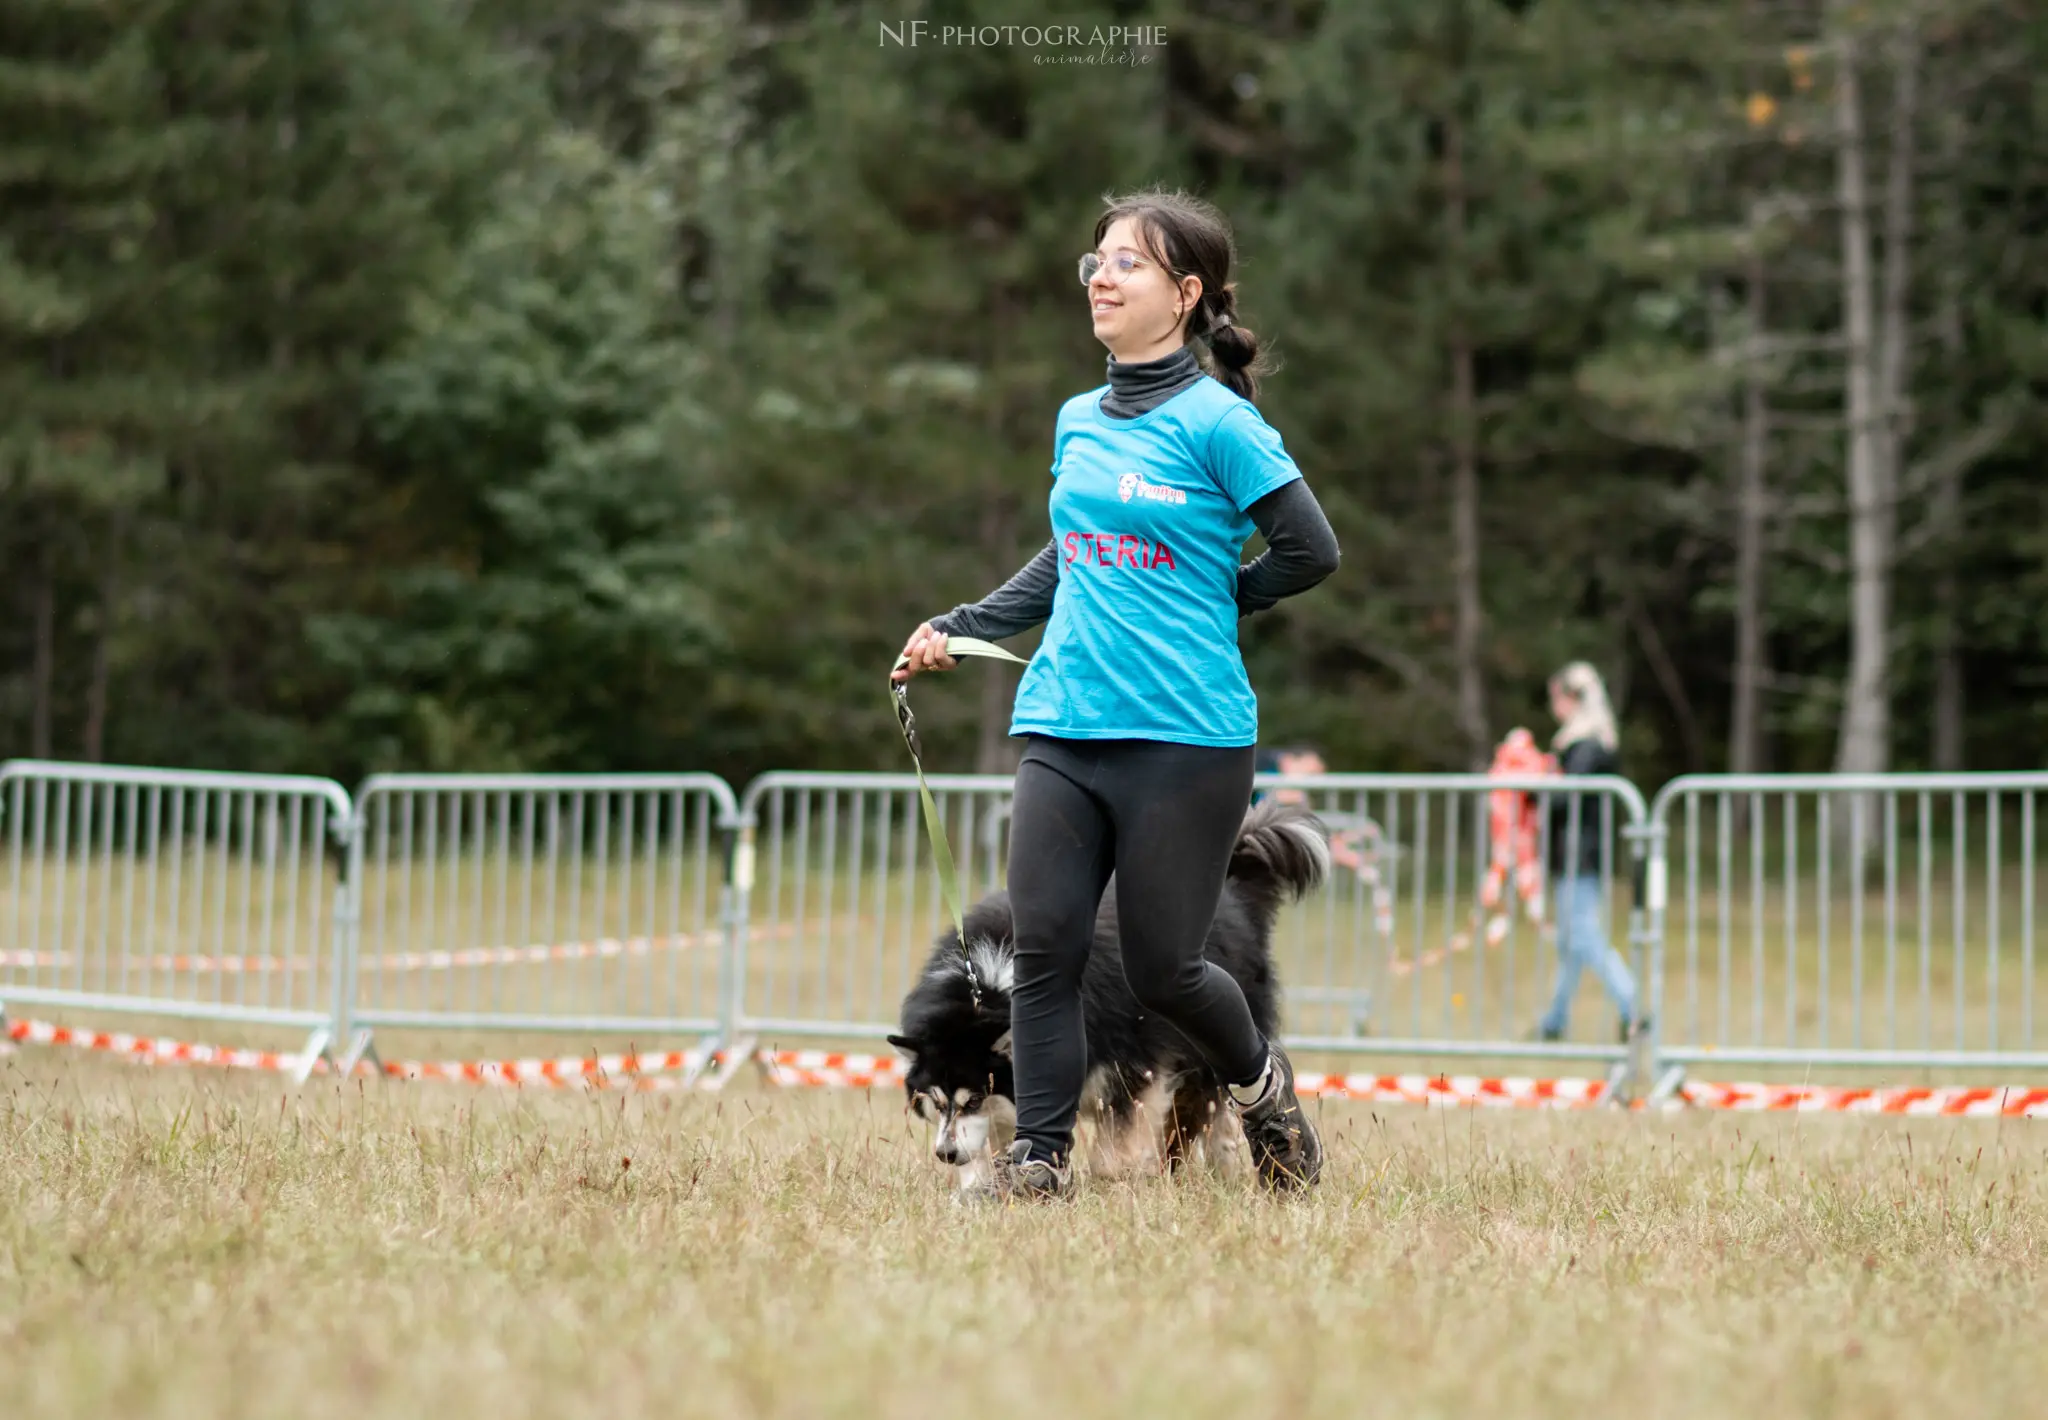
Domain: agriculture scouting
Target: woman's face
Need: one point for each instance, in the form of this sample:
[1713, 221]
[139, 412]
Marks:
[1139, 315]
[1562, 703]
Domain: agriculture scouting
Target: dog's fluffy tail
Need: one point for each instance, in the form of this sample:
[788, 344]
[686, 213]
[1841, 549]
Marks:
[1282, 854]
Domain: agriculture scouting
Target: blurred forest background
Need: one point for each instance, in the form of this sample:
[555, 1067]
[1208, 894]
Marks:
[613, 384]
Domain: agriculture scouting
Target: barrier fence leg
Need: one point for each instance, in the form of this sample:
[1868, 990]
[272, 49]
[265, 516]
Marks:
[320, 1042]
[729, 1049]
[360, 1049]
[1665, 1081]
[738, 1053]
[348, 936]
[312, 1053]
[1633, 1074]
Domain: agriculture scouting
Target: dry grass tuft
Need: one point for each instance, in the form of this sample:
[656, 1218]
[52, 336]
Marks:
[192, 1244]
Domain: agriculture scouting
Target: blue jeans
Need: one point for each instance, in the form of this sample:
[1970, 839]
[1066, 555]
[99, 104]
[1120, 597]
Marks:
[1582, 942]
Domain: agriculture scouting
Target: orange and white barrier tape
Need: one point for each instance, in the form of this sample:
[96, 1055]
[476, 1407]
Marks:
[163, 961]
[149, 1050]
[817, 1068]
[830, 1069]
[600, 948]
[1966, 1101]
[677, 1069]
[603, 1071]
[1507, 1092]
[1404, 966]
[1951, 1101]
[603, 948]
[620, 1071]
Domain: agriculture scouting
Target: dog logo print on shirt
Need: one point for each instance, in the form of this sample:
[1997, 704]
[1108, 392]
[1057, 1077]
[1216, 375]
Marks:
[1133, 485]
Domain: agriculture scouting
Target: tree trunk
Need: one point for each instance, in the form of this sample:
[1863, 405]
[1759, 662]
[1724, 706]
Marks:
[1465, 480]
[96, 695]
[1865, 732]
[43, 675]
[1745, 733]
[1948, 641]
[1947, 509]
[1668, 679]
[1894, 341]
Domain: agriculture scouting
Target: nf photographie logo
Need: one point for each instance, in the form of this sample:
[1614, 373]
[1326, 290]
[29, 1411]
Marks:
[1049, 44]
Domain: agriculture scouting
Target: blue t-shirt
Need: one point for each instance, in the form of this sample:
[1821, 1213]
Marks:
[1149, 518]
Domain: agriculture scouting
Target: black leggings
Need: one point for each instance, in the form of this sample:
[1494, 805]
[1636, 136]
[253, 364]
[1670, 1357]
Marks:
[1164, 817]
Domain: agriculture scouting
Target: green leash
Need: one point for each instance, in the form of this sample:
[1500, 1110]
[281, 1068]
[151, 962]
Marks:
[942, 853]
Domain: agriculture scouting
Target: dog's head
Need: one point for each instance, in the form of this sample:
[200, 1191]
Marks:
[955, 1042]
[967, 1093]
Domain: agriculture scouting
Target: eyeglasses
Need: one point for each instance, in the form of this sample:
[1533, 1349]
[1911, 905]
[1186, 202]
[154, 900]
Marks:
[1118, 267]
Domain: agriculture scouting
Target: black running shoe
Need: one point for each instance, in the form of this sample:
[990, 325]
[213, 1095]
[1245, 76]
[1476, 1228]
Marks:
[1013, 1174]
[1283, 1141]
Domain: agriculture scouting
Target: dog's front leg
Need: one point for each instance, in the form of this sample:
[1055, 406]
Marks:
[975, 1173]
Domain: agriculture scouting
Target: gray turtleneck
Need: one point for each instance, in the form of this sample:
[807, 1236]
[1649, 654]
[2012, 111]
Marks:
[1301, 550]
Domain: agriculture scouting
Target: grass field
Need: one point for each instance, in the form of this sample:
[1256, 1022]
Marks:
[187, 1243]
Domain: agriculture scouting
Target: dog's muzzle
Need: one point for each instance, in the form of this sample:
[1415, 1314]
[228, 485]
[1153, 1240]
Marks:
[962, 1137]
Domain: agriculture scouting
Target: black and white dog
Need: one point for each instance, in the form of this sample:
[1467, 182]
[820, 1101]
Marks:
[1153, 1099]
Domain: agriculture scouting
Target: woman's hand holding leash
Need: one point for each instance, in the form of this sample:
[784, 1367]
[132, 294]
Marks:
[924, 651]
[927, 650]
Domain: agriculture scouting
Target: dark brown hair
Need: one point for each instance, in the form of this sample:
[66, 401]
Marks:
[1191, 238]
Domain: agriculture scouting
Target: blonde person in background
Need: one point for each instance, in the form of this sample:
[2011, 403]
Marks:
[1587, 742]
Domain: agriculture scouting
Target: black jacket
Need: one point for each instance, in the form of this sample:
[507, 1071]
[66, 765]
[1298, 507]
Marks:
[1582, 757]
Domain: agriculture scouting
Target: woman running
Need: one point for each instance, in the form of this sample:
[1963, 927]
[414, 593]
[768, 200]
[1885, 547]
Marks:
[1140, 721]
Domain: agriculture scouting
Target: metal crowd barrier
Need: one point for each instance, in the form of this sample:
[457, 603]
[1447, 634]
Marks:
[594, 904]
[1790, 921]
[1429, 944]
[1397, 955]
[840, 906]
[1828, 920]
[215, 897]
